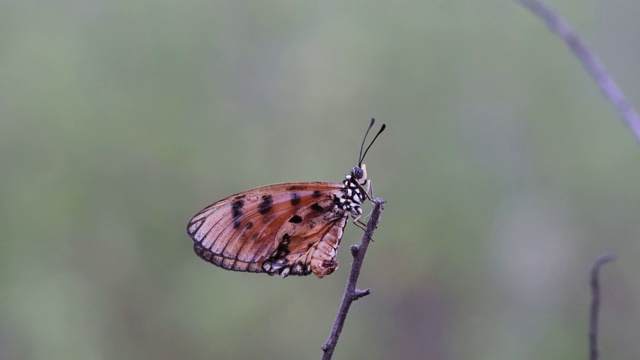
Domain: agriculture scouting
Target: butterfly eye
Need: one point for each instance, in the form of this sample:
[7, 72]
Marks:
[357, 173]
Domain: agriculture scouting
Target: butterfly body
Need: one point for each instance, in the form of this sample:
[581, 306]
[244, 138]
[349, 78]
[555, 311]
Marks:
[280, 229]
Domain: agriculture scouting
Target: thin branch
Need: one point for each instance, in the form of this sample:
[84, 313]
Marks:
[352, 294]
[589, 61]
[595, 303]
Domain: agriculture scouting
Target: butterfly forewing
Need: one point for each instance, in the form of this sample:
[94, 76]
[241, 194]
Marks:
[284, 229]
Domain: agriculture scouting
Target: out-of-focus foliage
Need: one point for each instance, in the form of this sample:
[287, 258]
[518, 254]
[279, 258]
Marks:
[504, 169]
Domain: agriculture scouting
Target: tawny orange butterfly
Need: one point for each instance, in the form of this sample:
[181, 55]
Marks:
[282, 229]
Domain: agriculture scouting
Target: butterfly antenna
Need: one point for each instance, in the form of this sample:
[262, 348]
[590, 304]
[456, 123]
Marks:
[374, 139]
[373, 120]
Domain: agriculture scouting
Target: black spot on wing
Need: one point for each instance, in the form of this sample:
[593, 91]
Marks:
[281, 251]
[266, 204]
[296, 219]
[295, 199]
[236, 212]
[236, 208]
[249, 225]
[316, 194]
[317, 207]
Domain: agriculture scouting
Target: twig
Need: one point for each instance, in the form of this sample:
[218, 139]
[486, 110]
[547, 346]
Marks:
[595, 303]
[352, 294]
[589, 61]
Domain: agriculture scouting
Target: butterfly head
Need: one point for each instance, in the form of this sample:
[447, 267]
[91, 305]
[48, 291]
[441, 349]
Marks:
[359, 173]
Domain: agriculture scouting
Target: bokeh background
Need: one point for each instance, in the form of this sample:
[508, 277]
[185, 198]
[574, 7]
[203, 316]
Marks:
[505, 171]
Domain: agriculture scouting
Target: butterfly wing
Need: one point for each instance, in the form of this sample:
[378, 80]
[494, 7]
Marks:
[284, 229]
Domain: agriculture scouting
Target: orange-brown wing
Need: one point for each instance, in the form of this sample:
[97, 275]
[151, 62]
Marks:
[284, 229]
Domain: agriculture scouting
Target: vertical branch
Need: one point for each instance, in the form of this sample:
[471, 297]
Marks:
[589, 61]
[351, 293]
[595, 303]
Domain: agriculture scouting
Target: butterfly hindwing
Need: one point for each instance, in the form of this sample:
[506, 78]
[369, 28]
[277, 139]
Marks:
[309, 240]
[284, 229]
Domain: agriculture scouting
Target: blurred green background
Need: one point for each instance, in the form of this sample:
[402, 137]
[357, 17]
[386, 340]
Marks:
[505, 171]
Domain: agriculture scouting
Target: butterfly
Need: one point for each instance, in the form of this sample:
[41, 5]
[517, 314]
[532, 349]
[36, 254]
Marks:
[283, 229]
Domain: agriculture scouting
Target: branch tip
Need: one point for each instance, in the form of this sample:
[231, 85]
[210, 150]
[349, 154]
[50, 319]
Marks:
[600, 261]
[361, 293]
[595, 303]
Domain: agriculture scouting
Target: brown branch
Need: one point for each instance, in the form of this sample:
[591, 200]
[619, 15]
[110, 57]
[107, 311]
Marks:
[589, 61]
[352, 294]
[595, 303]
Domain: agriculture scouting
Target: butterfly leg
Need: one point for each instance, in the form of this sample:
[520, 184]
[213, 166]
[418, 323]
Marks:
[367, 190]
[361, 225]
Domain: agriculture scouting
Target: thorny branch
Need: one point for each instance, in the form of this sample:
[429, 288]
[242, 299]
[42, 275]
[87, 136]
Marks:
[589, 61]
[352, 294]
[595, 303]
